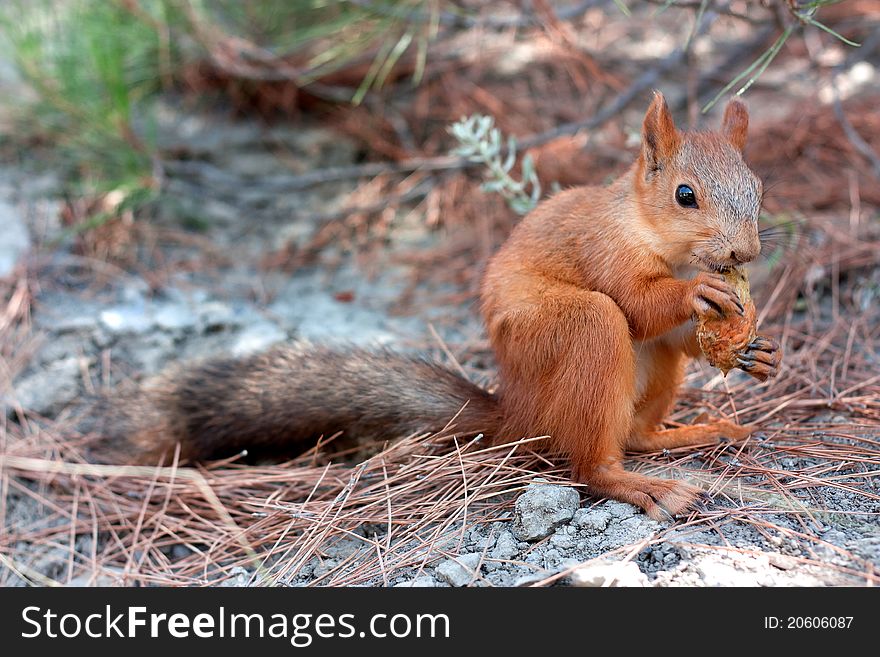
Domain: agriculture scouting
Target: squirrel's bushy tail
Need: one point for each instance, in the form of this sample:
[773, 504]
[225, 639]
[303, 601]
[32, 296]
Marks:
[281, 401]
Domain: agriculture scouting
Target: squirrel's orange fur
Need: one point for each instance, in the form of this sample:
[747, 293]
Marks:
[589, 304]
[589, 307]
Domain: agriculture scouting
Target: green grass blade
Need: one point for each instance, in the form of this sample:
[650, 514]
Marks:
[822, 26]
[760, 63]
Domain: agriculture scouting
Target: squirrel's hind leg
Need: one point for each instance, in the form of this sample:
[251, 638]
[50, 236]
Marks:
[695, 434]
[665, 373]
[567, 371]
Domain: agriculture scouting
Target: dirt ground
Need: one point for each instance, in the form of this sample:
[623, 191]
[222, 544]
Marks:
[244, 258]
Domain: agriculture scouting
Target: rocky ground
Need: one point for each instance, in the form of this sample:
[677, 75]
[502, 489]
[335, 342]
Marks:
[552, 536]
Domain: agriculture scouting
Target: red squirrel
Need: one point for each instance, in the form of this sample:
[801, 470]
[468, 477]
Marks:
[590, 307]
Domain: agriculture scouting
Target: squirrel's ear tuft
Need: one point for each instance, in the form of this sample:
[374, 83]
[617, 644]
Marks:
[735, 125]
[659, 136]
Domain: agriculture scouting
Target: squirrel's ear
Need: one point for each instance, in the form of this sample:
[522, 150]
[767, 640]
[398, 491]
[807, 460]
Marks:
[735, 125]
[658, 133]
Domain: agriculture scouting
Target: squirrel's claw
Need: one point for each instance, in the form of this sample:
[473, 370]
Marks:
[760, 358]
[713, 295]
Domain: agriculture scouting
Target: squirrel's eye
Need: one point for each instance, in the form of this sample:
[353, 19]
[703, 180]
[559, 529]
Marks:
[686, 197]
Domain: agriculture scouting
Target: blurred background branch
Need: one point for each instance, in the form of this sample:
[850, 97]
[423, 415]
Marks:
[98, 67]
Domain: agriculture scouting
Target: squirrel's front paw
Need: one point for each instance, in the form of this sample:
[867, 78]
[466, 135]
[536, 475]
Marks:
[761, 358]
[712, 296]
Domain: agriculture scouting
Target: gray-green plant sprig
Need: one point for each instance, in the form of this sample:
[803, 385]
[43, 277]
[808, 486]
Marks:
[480, 141]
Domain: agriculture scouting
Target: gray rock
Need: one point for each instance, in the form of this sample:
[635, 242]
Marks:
[239, 578]
[543, 508]
[342, 548]
[151, 351]
[868, 547]
[608, 573]
[127, 320]
[620, 510]
[76, 324]
[324, 566]
[551, 555]
[257, 337]
[505, 546]
[106, 576]
[179, 552]
[485, 543]
[422, 581]
[61, 347]
[16, 239]
[216, 315]
[562, 541]
[611, 525]
[461, 570]
[834, 536]
[529, 579]
[175, 317]
[718, 572]
[593, 520]
[50, 388]
[190, 298]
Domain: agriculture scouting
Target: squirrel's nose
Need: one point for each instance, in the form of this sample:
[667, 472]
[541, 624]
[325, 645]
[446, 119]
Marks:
[743, 255]
[745, 248]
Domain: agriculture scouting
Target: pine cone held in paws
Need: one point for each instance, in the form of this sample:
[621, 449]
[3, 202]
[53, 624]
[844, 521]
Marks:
[721, 339]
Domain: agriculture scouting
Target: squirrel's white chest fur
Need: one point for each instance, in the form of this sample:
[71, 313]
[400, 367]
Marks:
[645, 352]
